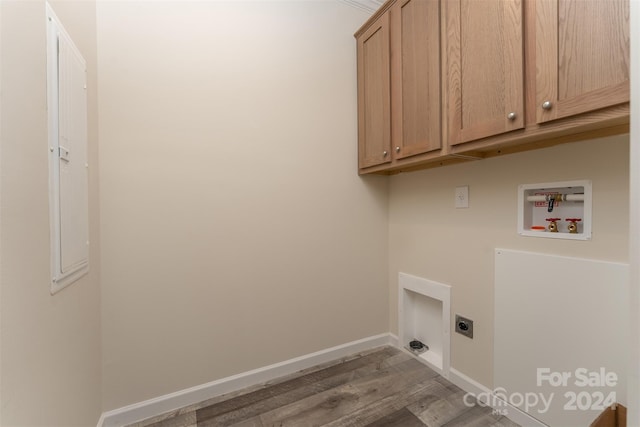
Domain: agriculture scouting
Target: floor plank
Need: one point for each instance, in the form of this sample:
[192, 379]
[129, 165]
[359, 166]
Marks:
[378, 410]
[323, 408]
[401, 418]
[478, 416]
[441, 411]
[280, 395]
[385, 387]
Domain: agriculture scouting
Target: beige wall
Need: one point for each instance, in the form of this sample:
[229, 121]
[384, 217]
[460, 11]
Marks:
[428, 237]
[236, 232]
[50, 354]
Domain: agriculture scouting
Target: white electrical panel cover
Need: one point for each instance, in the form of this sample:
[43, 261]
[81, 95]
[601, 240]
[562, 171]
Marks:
[68, 168]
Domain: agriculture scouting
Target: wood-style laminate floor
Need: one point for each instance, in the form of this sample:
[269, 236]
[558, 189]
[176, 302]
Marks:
[382, 387]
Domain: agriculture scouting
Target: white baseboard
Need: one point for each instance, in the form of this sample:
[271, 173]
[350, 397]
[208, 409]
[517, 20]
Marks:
[513, 413]
[159, 405]
[394, 340]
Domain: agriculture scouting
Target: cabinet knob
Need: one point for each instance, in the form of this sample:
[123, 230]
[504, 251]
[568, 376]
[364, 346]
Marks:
[511, 116]
[384, 154]
[546, 105]
[397, 149]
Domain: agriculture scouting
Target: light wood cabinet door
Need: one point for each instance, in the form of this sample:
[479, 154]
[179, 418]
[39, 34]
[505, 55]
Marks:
[374, 95]
[582, 56]
[415, 77]
[485, 66]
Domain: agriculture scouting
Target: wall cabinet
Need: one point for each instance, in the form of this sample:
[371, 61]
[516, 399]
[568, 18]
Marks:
[399, 87]
[582, 56]
[485, 65]
[516, 75]
[374, 94]
[415, 77]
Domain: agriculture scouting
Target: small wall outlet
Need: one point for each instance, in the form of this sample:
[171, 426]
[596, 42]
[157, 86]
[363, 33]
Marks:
[462, 197]
[464, 326]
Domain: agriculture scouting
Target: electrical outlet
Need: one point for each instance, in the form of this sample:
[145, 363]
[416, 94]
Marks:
[462, 197]
[464, 326]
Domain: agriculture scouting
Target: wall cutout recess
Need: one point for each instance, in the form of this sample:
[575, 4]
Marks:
[67, 147]
[555, 210]
[424, 307]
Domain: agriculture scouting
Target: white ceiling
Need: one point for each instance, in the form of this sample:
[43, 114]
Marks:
[366, 5]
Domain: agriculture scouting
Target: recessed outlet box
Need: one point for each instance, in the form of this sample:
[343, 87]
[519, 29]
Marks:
[568, 202]
[464, 326]
[424, 315]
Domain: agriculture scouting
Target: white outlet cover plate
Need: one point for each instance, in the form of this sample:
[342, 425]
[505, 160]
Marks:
[462, 197]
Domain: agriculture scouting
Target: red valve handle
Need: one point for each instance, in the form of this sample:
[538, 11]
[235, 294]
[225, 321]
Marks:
[553, 219]
[574, 219]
